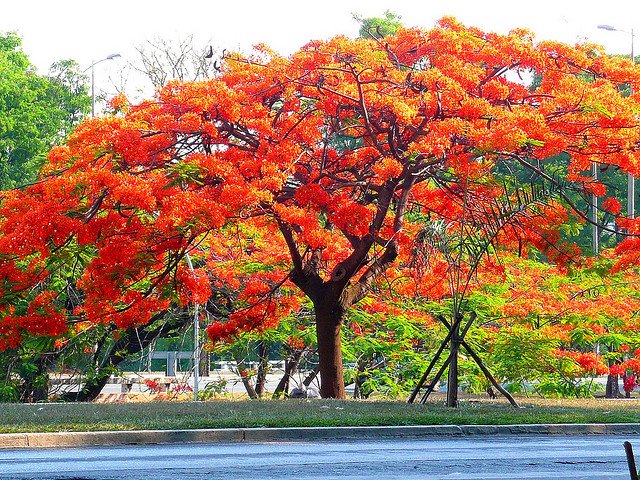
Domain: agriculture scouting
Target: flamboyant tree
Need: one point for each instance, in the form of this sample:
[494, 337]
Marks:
[330, 153]
[404, 120]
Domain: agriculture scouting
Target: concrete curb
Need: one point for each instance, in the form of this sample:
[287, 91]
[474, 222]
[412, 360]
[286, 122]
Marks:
[153, 437]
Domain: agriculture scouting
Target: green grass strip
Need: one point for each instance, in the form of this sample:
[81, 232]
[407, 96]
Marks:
[56, 417]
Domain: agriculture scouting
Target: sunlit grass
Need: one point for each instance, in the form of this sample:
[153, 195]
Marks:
[294, 413]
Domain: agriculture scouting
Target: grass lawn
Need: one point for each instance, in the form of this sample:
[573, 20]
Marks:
[294, 413]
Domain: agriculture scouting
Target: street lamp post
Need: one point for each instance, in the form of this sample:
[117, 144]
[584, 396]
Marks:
[631, 186]
[196, 341]
[594, 212]
[93, 79]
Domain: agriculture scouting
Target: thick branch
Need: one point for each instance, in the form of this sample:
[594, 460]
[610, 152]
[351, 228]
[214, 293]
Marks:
[379, 265]
[345, 270]
[287, 233]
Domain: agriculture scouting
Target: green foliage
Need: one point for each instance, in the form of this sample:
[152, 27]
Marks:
[561, 386]
[386, 352]
[521, 354]
[35, 111]
[378, 27]
[8, 392]
[213, 389]
[68, 93]
[25, 371]
[524, 359]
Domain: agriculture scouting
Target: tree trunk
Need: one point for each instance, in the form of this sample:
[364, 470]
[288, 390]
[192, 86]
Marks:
[613, 388]
[452, 380]
[263, 367]
[247, 381]
[36, 386]
[204, 363]
[90, 390]
[291, 364]
[283, 384]
[328, 325]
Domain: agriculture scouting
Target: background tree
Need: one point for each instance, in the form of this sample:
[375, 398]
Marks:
[584, 314]
[488, 219]
[160, 60]
[378, 27]
[163, 60]
[68, 92]
[35, 111]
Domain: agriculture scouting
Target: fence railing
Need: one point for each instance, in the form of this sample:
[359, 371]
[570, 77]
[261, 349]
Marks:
[173, 365]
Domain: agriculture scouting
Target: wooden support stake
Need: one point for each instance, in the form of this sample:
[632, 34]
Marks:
[435, 380]
[436, 357]
[432, 364]
[488, 374]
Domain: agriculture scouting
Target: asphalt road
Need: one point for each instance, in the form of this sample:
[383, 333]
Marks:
[470, 458]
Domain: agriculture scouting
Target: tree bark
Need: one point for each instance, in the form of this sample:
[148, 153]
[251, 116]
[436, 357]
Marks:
[204, 365]
[613, 388]
[129, 344]
[36, 385]
[452, 380]
[290, 366]
[283, 384]
[246, 380]
[263, 367]
[328, 325]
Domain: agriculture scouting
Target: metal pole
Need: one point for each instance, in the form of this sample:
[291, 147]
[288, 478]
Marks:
[196, 342]
[631, 193]
[196, 352]
[93, 80]
[631, 187]
[631, 184]
[93, 91]
[594, 212]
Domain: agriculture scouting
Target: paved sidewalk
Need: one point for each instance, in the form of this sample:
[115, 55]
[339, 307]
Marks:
[152, 437]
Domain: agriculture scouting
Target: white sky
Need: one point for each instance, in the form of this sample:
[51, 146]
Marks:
[88, 30]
